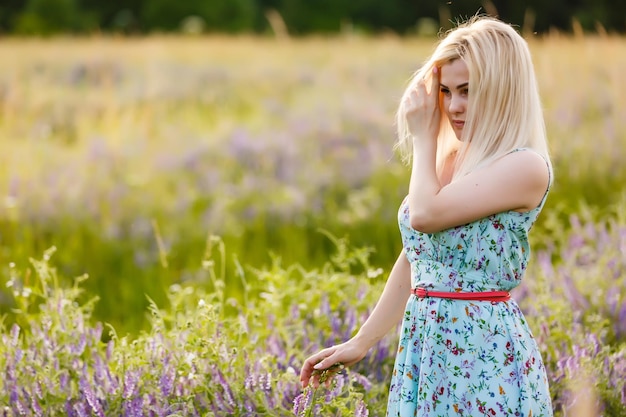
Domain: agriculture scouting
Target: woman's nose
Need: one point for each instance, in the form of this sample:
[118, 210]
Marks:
[456, 105]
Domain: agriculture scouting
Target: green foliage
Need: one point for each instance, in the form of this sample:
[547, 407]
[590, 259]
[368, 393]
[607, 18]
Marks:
[204, 351]
[218, 15]
[44, 17]
[574, 299]
[131, 181]
[283, 158]
[207, 352]
[300, 16]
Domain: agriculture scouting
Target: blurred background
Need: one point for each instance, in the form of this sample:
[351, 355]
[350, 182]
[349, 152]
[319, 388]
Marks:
[222, 173]
[132, 132]
[297, 17]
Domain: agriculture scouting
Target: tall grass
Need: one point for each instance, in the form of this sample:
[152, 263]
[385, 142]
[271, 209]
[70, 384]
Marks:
[209, 354]
[127, 154]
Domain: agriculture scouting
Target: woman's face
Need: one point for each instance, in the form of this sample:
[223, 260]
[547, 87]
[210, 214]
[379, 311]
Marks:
[454, 83]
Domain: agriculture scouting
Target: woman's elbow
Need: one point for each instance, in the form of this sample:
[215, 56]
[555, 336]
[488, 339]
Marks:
[423, 223]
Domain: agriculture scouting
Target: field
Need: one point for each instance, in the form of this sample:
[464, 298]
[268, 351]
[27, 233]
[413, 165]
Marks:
[183, 220]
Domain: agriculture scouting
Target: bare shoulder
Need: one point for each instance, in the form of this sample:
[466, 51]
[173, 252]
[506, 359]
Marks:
[517, 181]
[525, 162]
[526, 172]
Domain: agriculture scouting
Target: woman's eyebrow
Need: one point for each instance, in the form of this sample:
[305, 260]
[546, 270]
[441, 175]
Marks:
[458, 87]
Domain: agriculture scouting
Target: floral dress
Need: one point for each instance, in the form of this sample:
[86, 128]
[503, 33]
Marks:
[468, 358]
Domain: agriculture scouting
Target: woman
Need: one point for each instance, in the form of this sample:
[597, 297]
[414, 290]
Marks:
[471, 124]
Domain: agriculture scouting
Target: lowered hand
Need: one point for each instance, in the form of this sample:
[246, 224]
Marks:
[335, 357]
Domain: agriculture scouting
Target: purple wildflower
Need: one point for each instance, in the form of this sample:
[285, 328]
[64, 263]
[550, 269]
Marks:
[36, 408]
[133, 408]
[81, 410]
[228, 394]
[302, 402]
[99, 370]
[37, 389]
[361, 410]
[69, 408]
[167, 381]
[110, 348]
[96, 332]
[63, 380]
[620, 322]
[361, 380]
[90, 396]
[15, 334]
[131, 378]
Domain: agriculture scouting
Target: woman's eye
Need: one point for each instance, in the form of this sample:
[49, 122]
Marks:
[465, 91]
[445, 91]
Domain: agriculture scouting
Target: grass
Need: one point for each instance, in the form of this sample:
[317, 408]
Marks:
[126, 154]
[131, 156]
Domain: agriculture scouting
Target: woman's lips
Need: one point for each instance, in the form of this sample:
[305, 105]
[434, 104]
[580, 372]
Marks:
[458, 123]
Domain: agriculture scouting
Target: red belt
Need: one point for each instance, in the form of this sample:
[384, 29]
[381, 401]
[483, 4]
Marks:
[476, 296]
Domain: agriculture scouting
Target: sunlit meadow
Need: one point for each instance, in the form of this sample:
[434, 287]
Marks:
[184, 220]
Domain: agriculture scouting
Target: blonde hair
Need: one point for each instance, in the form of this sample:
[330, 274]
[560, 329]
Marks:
[504, 110]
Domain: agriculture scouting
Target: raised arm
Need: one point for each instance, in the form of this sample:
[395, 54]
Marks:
[386, 314]
[517, 181]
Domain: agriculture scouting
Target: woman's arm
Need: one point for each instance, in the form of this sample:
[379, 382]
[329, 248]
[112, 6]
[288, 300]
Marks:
[388, 311]
[517, 181]
[391, 305]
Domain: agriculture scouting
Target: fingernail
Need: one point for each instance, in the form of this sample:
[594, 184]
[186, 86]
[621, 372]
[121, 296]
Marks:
[318, 366]
[435, 70]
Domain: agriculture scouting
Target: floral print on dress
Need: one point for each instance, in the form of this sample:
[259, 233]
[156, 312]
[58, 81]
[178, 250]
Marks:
[461, 357]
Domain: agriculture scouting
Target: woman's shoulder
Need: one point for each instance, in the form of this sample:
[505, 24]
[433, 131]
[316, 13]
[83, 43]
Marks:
[528, 161]
[530, 170]
[527, 150]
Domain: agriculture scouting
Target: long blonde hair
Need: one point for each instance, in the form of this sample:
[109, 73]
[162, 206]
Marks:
[504, 110]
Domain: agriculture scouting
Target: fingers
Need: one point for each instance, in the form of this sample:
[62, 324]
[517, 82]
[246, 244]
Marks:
[316, 362]
[434, 82]
[306, 372]
[419, 95]
[323, 366]
[433, 91]
[326, 362]
[325, 375]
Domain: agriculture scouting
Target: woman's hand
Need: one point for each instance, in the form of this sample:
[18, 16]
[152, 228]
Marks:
[422, 111]
[345, 354]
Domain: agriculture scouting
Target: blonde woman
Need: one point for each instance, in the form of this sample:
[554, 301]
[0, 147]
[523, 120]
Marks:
[471, 125]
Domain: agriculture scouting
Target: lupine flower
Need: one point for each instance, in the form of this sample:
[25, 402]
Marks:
[205, 361]
[131, 379]
[303, 402]
[167, 381]
[91, 399]
[361, 410]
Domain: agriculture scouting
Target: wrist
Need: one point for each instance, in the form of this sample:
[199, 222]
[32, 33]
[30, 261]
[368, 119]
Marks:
[422, 148]
[424, 141]
[364, 341]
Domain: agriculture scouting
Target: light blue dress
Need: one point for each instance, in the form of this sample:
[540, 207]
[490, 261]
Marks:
[468, 358]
